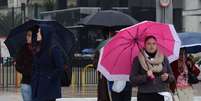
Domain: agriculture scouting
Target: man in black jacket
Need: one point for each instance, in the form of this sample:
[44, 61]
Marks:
[24, 66]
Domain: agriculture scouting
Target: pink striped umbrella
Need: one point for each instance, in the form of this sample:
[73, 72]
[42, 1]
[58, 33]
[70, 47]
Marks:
[117, 55]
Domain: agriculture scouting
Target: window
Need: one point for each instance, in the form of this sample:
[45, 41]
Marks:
[3, 3]
[123, 3]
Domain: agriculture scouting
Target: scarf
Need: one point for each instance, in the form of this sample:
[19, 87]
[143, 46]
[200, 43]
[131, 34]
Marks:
[154, 64]
[36, 48]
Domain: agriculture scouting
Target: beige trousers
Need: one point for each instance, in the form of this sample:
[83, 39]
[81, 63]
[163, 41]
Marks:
[185, 94]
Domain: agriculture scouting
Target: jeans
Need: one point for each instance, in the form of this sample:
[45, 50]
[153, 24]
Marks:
[26, 92]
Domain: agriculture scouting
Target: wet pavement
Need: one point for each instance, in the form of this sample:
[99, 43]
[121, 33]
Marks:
[88, 93]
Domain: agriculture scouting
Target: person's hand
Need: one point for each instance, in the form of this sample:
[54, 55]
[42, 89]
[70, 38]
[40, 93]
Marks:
[65, 67]
[164, 77]
[39, 36]
[150, 75]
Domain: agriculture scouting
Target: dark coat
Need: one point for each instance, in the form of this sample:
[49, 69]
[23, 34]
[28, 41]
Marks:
[138, 77]
[46, 79]
[48, 65]
[24, 63]
[102, 93]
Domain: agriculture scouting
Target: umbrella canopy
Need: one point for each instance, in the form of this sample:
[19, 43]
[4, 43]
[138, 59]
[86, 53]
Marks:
[117, 55]
[191, 41]
[108, 18]
[17, 37]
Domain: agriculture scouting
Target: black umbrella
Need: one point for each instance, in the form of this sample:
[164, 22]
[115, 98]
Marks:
[108, 18]
[17, 37]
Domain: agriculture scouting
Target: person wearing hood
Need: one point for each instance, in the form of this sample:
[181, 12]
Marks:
[48, 64]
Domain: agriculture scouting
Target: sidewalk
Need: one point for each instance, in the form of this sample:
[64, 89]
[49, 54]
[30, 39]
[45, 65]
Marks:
[197, 98]
[70, 94]
[10, 95]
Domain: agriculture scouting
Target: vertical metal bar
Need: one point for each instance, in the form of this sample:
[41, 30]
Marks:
[7, 73]
[13, 17]
[94, 76]
[86, 76]
[3, 74]
[10, 71]
[14, 73]
[79, 83]
[91, 76]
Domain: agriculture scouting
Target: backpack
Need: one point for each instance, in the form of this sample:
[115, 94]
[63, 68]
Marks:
[66, 75]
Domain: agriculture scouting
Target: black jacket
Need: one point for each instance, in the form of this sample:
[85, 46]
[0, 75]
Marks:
[24, 64]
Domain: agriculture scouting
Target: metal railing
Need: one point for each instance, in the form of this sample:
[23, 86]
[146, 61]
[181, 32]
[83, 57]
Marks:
[7, 73]
[83, 74]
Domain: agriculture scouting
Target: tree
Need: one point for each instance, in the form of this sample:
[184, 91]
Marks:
[49, 5]
[8, 22]
[62, 4]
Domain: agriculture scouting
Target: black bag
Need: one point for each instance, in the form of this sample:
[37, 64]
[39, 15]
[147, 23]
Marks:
[66, 75]
[192, 79]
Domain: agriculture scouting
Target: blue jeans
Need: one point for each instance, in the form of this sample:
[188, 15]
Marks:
[26, 92]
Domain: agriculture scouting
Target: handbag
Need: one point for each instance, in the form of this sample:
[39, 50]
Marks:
[192, 78]
[175, 97]
[66, 77]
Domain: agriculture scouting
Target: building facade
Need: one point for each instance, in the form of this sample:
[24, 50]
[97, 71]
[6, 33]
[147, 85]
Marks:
[146, 10]
[192, 15]
[3, 3]
[104, 4]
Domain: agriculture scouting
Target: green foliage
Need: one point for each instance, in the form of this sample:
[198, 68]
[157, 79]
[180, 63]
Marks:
[49, 5]
[8, 22]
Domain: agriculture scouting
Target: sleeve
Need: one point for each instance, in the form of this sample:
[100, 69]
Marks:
[19, 62]
[96, 58]
[174, 67]
[135, 77]
[171, 78]
[196, 70]
[58, 60]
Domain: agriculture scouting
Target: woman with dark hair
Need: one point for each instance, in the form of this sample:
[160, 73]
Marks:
[24, 66]
[151, 73]
[181, 69]
[48, 65]
[102, 90]
[192, 67]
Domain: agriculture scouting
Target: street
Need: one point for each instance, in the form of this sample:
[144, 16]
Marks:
[70, 94]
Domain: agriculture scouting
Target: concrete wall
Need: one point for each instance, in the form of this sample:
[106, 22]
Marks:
[192, 16]
[191, 4]
[151, 3]
[191, 24]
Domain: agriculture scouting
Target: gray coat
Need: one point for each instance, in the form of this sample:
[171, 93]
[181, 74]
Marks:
[139, 78]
